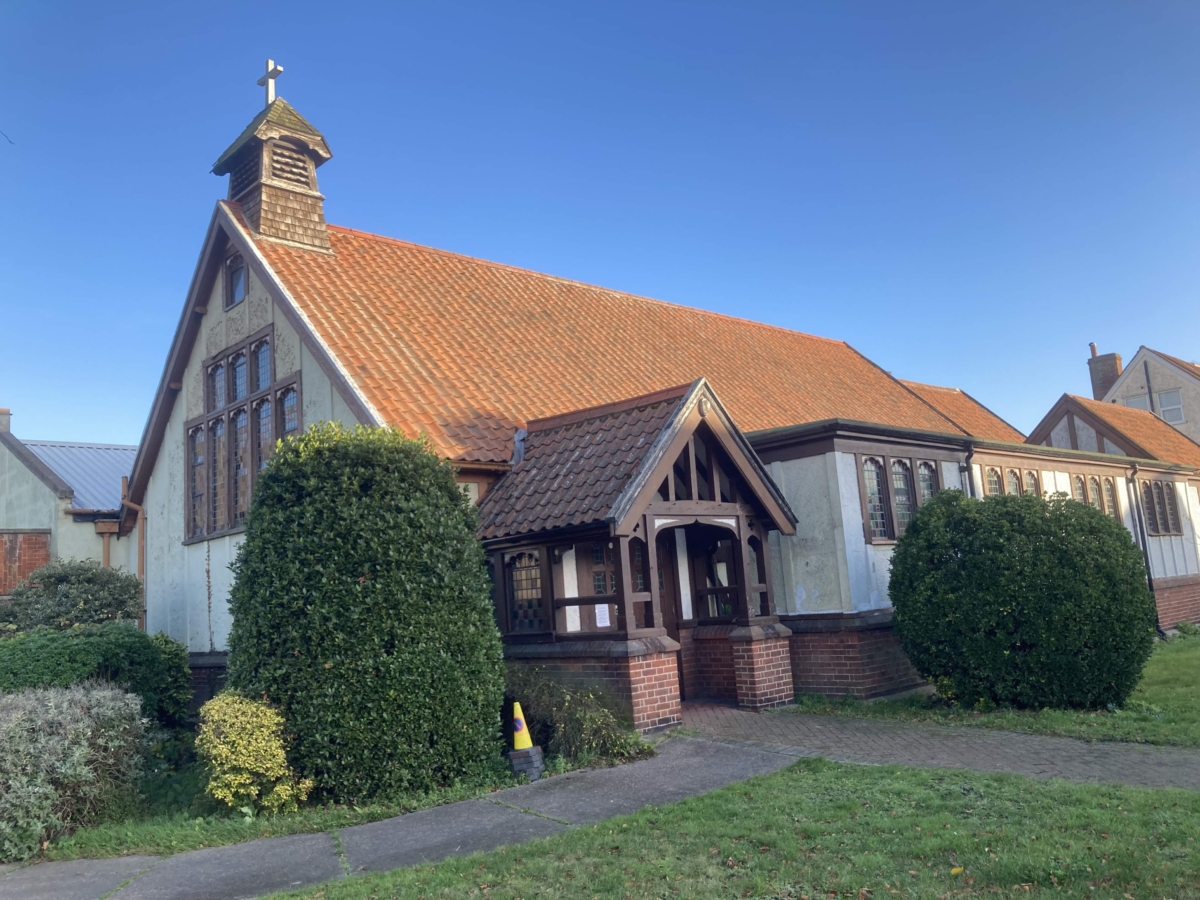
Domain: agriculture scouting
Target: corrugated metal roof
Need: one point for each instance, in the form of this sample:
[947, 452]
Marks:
[93, 471]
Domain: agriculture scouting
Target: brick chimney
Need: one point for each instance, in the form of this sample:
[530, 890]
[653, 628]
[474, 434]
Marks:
[272, 169]
[5, 420]
[1105, 370]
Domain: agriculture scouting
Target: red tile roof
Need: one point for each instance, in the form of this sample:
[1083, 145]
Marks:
[965, 411]
[1182, 364]
[465, 350]
[1162, 441]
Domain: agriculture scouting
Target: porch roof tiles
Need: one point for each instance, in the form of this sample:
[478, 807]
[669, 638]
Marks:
[576, 466]
[466, 350]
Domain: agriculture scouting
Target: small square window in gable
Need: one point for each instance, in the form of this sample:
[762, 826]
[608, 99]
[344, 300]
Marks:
[235, 281]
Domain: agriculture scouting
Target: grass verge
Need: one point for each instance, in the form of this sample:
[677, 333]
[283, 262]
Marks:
[1165, 708]
[826, 830]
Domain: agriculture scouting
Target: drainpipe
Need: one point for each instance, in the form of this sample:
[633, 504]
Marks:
[1131, 480]
[141, 527]
[970, 470]
[1149, 387]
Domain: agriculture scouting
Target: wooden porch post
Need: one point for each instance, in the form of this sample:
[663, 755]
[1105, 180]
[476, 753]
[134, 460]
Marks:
[626, 620]
[748, 610]
[651, 540]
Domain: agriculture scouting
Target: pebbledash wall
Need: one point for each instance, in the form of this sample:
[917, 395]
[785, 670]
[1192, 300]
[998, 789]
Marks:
[188, 583]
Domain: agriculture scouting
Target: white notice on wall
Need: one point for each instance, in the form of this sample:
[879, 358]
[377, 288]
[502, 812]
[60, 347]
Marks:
[571, 588]
[602, 620]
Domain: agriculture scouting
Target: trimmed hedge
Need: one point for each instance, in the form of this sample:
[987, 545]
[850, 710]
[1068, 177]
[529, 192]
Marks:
[74, 592]
[1024, 602]
[154, 667]
[69, 757]
[362, 609]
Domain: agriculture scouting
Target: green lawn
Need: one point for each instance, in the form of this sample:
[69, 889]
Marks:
[824, 830]
[1165, 708]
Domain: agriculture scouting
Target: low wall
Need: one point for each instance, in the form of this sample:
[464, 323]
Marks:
[20, 553]
[849, 654]
[1178, 600]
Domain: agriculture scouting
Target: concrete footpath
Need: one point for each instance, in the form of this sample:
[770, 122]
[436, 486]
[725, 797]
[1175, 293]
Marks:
[683, 768]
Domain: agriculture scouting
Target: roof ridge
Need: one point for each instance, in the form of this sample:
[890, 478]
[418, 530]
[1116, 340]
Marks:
[588, 413]
[585, 284]
[88, 444]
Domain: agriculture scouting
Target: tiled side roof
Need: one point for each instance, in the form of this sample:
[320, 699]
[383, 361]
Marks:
[1162, 441]
[1182, 364]
[466, 350]
[93, 471]
[965, 411]
[575, 467]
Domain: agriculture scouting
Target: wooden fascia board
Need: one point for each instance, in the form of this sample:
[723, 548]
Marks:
[337, 374]
[670, 444]
[177, 359]
[29, 460]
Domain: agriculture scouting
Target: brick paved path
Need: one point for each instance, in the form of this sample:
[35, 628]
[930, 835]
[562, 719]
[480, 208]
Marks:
[879, 742]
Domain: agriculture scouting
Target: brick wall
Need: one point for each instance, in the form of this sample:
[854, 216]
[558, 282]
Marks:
[20, 554]
[763, 673]
[644, 688]
[689, 677]
[715, 676]
[850, 659]
[1178, 600]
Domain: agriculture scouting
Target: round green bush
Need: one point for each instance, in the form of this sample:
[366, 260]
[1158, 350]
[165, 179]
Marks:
[1024, 602]
[74, 592]
[362, 608]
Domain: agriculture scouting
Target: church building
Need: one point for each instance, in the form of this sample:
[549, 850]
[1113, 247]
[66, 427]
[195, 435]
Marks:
[675, 503]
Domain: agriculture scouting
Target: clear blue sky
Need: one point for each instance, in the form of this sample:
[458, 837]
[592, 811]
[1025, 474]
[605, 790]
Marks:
[966, 192]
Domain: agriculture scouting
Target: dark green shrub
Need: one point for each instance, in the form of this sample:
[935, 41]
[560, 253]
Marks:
[74, 592]
[362, 609]
[152, 666]
[1023, 602]
[579, 725]
[69, 757]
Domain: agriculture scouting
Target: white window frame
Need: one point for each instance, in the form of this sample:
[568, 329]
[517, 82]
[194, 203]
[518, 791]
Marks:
[1163, 407]
[1141, 401]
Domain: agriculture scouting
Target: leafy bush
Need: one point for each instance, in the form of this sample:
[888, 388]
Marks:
[68, 758]
[242, 743]
[578, 725]
[152, 666]
[361, 607]
[74, 592]
[1024, 602]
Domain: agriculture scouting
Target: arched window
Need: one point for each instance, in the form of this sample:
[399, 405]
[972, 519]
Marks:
[1110, 499]
[1148, 508]
[262, 366]
[1031, 484]
[1013, 482]
[290, 423]
[239, 425]
[216, 468]
[525, 591]
[1078, 491]
[264, 434]
[877, 513]
[902, 494]
[237, 367]
[1094, 492]
[927, 484]
[216, 387]
[1172, 508]
[1160, 509]
[993, 481]
[196, 477]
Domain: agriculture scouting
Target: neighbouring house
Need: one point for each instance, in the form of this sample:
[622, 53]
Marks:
[60, 500]
[729, 538]
[1165, 385]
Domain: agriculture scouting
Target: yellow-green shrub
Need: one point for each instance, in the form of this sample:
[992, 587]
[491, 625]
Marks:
[242, 743]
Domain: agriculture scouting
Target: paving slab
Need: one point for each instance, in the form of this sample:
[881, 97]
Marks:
[75, 879]
[240, 870]
[434, 834]
[682, 768]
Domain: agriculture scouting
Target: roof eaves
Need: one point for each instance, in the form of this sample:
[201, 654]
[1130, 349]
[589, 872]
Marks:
[45, 474]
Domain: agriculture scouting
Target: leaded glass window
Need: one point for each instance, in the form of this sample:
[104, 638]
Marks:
[1160, 509]
[1013, 482]
[877, 512]
[525, 589]
[927, 484]
[239, 424]
[290, 422]
[264, 435]
[262, 366]
[1148, 508]
[1031, 484]
[218, 517]
[235, 281]
[1078, 491]
[216, 387]
[1094, 492]
[993, 481]
[1172, 508]
[1110, 499]
[197, 488]
[902, 495]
